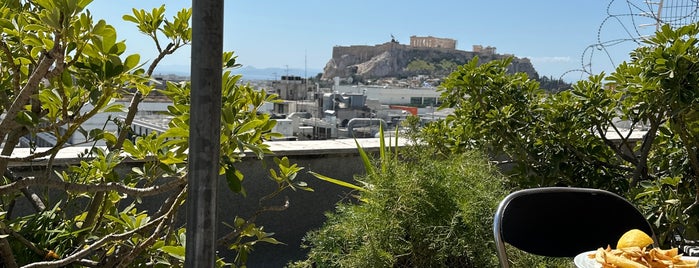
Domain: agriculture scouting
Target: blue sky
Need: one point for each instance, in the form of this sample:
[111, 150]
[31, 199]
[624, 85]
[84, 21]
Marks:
[554, 34]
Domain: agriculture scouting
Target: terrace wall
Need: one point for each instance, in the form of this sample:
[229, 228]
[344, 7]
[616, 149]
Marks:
[335, 158]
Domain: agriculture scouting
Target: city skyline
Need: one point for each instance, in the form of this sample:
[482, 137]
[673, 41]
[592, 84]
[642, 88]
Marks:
[556, 36]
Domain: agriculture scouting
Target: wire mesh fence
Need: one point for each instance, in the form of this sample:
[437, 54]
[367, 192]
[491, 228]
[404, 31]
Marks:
[626, 24]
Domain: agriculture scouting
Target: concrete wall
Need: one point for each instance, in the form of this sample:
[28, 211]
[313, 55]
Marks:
[306, 210]
[335, 158]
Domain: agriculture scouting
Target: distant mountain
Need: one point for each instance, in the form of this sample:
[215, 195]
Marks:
[248, 72]
[252, 73]
[181, 70]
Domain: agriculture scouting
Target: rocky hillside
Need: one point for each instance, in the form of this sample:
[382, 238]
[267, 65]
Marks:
[392, 59]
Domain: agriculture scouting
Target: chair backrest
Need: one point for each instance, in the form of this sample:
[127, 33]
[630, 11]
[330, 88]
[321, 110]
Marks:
[563, 221]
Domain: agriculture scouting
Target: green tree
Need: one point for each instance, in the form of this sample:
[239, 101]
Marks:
[573, 137]
[60, 68]
[447, 66]
[420, 67]
[552, 85]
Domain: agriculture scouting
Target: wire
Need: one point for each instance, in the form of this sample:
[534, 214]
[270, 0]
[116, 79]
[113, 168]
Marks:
[634, 17]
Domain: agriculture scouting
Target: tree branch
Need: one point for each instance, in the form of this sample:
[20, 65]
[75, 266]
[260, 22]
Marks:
[629, 158]
[42, 69]
[261, 209]
[92, 188]
[15, 73]
[91, 248]
[27, 243]
[125, 261]
[8, 258]
[641, 171]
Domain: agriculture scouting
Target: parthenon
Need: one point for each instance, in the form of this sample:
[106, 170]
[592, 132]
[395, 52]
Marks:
[432, 42]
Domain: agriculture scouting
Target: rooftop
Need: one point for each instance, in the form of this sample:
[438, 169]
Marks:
[71, 155]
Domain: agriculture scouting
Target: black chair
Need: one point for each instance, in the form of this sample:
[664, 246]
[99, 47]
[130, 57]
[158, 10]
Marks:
[563, 221]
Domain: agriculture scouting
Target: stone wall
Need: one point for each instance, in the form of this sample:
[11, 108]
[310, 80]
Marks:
[362, 53]
[432, 42]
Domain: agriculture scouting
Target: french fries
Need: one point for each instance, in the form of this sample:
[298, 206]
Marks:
[635, 257]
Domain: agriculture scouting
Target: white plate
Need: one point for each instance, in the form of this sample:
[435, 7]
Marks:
[583, 261]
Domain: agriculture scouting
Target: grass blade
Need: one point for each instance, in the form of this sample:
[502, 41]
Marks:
[338, 182]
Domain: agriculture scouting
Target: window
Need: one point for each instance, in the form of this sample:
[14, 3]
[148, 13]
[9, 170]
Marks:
[416, 100]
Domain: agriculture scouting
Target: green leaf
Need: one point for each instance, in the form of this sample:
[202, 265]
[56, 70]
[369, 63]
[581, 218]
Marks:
[171, 159]
[248, 127]
[671, 181]
[109, 137]
[234, 179]
[131, 61]
[365, 159]
[338, 182]
[47, 42]
[46, 4]
[130, 18]
[270, 240]
[27, 118]
[31, 40]
[665, 130]
[175, 132]
[382, 149]
[177, 252]
[114, 108]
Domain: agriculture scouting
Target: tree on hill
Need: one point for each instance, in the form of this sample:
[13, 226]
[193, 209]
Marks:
[447, 66]
[420, 67]
[552, 85]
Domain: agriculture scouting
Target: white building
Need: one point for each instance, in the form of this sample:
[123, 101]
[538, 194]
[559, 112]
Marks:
[419, 97]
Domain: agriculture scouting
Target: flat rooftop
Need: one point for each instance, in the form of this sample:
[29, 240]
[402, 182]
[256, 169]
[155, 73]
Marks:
[70, 155]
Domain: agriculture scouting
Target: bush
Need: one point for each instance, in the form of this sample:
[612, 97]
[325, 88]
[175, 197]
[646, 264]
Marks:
[422, 212]
[633, 132]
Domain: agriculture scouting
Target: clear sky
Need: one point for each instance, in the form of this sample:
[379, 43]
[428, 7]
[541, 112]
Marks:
[553, 34]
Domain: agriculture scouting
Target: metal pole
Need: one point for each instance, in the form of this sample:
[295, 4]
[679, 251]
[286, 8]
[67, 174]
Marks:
[204, 132]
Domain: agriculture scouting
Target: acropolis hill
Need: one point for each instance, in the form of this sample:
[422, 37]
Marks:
[390, 59]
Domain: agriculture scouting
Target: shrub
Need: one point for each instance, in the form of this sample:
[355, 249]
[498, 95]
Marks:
[423, 211]
[574, 137]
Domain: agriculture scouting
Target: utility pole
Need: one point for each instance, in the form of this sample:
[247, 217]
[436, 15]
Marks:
[286, 83]
[205, 131]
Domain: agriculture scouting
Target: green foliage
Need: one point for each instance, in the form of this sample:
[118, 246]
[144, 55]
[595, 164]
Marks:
[420, 67]
[573, 137]
[551, 85]
[418, 212]
[61, 68]
[49, 229]
[447, 66]
[424, 67]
